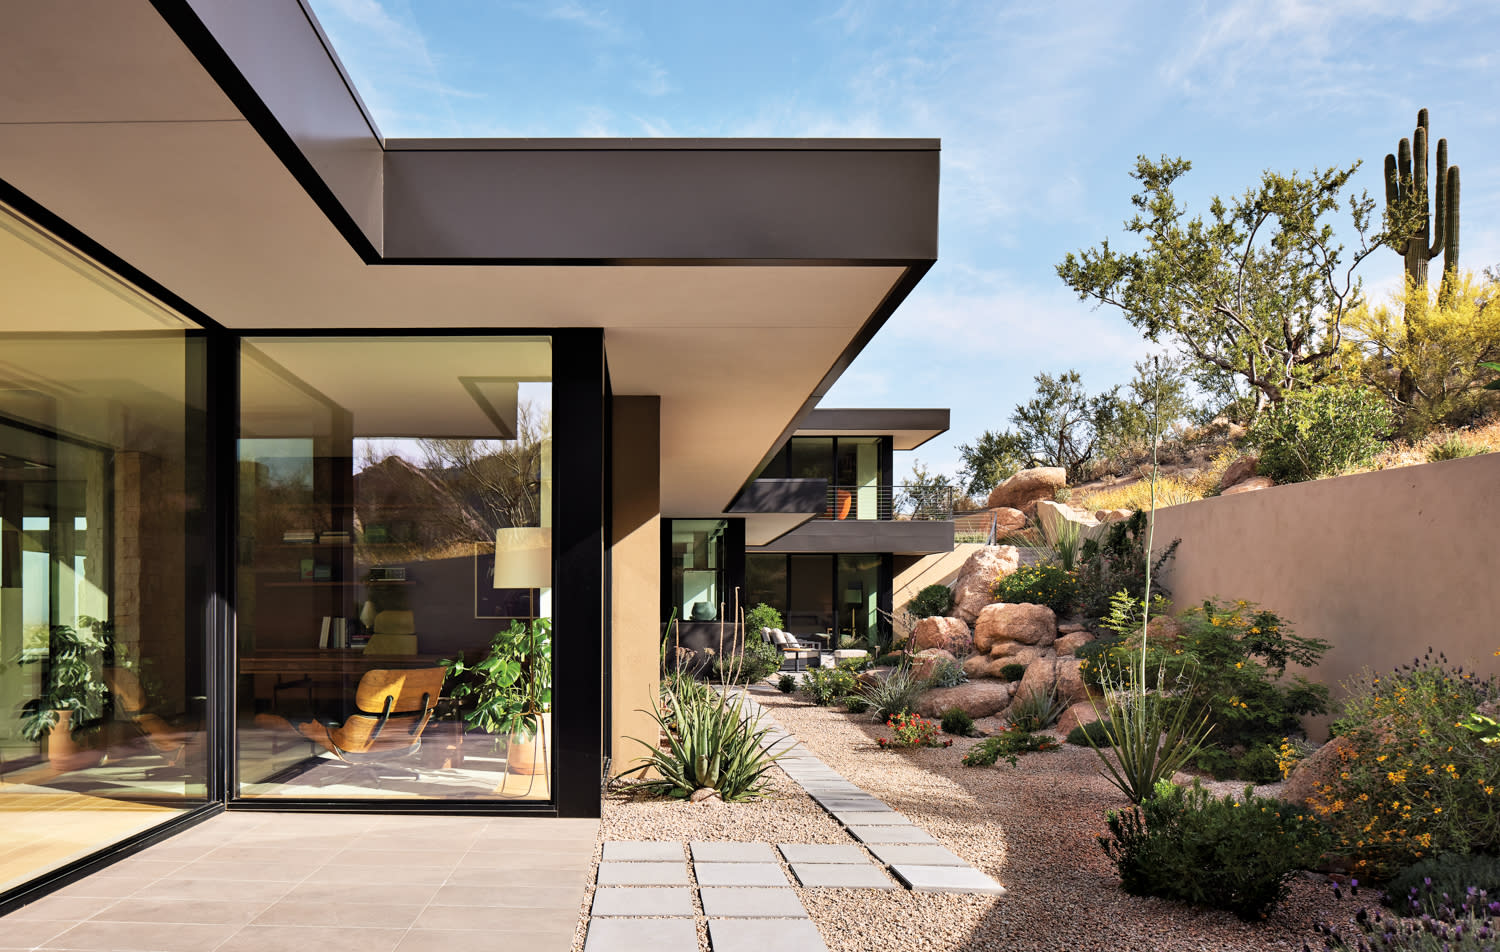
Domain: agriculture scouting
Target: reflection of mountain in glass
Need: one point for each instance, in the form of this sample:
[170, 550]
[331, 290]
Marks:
[458, 493]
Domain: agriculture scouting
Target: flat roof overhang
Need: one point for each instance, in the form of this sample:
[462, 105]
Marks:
[908, 427]
[215, 151]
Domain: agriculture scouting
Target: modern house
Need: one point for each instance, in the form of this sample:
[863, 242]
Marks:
[819, 533]
[291, 413]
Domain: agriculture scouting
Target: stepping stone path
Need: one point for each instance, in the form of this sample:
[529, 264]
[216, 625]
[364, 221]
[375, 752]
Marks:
[645, 896]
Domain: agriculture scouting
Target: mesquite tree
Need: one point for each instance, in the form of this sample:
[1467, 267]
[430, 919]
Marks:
[1257, 291]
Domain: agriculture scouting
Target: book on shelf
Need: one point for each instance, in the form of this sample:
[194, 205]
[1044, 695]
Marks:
[324, 631]
[340, 633]
[334, 536]
[299, 536]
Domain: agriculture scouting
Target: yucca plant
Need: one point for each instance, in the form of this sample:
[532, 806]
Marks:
[1149, 737]
[712, 742]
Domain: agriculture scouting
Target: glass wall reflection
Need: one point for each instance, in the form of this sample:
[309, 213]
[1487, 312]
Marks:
[395, 568]
[102, 720]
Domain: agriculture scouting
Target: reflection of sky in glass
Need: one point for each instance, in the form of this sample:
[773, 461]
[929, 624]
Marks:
[288, 462]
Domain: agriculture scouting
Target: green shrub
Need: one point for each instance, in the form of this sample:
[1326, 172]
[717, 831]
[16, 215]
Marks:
[1237, 854]
[1235, 655]
[958, 722]
[823, 686]
[1013, 672]
[1413, 781]
[1259, 764]
[1449, 873]
[895, 694]
[1216, 762]
[1320, 431]
[1116, 562]
[1453, 447]
[713, 740]
[946, 674]
[786, 684]
[1035, 710]
[1010, 744]
[888, 660]
[1040, 584]
[855, 704]
[1092, 734]
[761, 616]
[930, 601]
[757, 662]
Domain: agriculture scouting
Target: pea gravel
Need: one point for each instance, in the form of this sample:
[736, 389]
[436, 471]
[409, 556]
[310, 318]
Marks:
[1032, 827]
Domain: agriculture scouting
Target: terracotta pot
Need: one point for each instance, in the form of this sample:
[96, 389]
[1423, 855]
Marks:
[63, 751]
[528, 757]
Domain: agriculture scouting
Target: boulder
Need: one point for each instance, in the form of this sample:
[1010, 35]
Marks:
[976, 698]
[1318, 770]
[1053, 514]
[1068, 627]
[1041, 676]
[1013, 652]
[977, 666]
[1069, 679]
[950, 634]
[1023, 489]
[974, 587]
[1070, 643]
[1023, 623]
[925, 663]
[1106, 516]
[1238, 471]
[1163, 628]
[1249, 486]
[1008, 520]
[1076, 716]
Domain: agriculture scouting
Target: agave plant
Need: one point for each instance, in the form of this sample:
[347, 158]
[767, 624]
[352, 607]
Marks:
[712, 742]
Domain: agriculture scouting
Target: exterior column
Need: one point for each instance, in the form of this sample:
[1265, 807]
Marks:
[635, 575]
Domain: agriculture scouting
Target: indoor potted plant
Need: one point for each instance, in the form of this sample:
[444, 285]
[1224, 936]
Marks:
[71, 690]
[509, 691]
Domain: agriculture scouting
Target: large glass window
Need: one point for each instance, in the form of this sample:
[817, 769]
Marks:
[838, 596]
[853, 465]
[395, 513]
[102, 677]
[698, 561]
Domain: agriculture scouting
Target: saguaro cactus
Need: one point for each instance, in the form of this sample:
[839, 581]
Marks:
[1406, 190]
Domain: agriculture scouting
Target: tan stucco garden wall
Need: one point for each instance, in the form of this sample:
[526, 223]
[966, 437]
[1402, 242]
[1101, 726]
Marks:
[635, 570]
[1381, 564]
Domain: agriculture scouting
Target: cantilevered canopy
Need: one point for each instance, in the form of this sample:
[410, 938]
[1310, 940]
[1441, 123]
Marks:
[216, 147]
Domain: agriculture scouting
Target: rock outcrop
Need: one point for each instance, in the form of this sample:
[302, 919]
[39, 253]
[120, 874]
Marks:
[1319, 769]
[925, 663]
[973, 588]
[1021, 623]
[977, 699]
[1053, 514]
[1238, 471]
[1070, 643]
[1023, 489]
[1249, 485]
[950, 634]
[1076, 716]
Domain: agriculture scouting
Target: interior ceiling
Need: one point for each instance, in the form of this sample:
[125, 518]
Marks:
[109, 122]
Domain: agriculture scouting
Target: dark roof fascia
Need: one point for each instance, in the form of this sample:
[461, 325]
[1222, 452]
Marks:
[858, 202]
[869, 421]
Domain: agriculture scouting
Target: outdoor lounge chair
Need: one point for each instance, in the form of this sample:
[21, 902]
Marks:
[793, 650]
[172, 741]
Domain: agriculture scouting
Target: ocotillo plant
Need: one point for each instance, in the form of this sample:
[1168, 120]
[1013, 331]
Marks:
[1406, 195]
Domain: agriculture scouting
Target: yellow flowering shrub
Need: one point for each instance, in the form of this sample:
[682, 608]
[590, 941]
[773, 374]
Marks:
[1413, 782]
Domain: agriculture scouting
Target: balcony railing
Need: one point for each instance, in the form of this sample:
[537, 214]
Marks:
[901, 502]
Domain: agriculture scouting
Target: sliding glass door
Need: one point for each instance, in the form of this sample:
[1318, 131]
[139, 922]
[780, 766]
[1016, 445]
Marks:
[102, 653]
[395, 568]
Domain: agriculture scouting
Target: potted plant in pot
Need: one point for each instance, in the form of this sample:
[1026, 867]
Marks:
[71, 690]
[509, 691]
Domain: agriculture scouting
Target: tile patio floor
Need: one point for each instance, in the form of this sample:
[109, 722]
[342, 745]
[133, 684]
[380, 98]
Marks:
[277, 882]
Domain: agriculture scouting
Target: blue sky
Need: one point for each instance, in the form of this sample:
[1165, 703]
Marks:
[1042, 109]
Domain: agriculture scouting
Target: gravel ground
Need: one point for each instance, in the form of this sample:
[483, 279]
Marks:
[1033, 828]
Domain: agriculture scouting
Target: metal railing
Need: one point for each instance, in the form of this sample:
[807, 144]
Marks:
[903, 501]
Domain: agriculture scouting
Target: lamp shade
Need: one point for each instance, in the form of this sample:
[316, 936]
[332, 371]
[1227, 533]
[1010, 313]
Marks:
[523, 557]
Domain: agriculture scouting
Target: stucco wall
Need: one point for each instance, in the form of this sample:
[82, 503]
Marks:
[635, 569]
[1381, 564]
